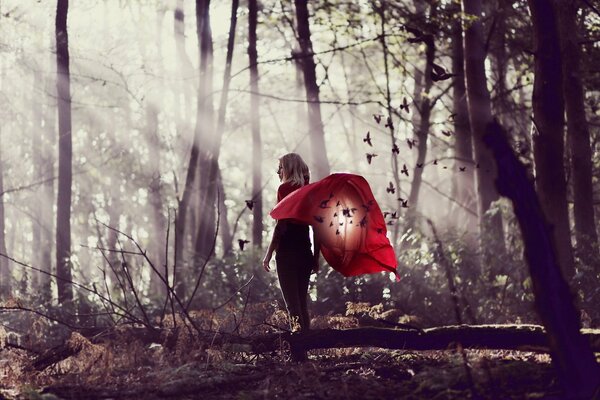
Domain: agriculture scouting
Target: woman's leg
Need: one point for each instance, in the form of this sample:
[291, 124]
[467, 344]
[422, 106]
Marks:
[288, 281]
[302, 287]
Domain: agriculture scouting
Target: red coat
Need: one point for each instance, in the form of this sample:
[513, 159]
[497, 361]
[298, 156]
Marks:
[347, 220]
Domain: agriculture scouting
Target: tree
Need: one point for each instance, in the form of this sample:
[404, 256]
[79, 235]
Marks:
[257, 225]
[463, 188]
[578, 133]
[480, 114]
[319, 161]
[548, 129]
[63, 200]
[421, 131]
[572, 357]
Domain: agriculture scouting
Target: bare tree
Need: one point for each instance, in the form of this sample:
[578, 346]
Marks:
[548, 129]
[578, 133]
[421, 132]
[63, 201]
[463, 188]
[257, 224]
[319, 161]
[480, 114]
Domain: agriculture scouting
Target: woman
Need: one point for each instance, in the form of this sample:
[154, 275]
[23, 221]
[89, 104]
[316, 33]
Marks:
[291, 242]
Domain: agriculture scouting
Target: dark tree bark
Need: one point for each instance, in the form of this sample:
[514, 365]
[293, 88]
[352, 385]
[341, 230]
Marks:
[320, 163]
[205, 207]
[499, 62]
[214, 185]
[548, 116]
[480, 113]
[63, 201]
[257, 213]
[578, 133]
[463, 183]
[571, 353]
[202, 8]
[421, 132]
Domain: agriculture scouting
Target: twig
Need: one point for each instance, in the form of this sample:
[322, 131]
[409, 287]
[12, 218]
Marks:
[151, 264]
[130, 316]
[234, 294]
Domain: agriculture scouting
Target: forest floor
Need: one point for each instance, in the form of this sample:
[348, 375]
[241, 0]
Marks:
[333, 374]
[123, 362]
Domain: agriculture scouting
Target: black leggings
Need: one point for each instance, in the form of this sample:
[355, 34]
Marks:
[294, 271]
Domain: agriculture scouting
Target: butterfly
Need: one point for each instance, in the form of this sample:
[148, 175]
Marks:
[404, 203]
[242, 242]
[438, 73]
[377, 118]
[389, 123]
[367, 139]
[404, 170]
[395, 149]
[404, 105]
[363, 222]
[447, 133]
[411, 143]
[370, 157]
[419, 165]
[391, 189]
[462, 169]
[435, 162]
[249, 204]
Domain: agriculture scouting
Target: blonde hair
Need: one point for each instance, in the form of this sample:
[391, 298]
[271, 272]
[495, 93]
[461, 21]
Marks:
[294, 169]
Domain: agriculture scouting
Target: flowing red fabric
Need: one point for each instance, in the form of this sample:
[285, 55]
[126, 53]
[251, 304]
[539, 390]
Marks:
[347, 220]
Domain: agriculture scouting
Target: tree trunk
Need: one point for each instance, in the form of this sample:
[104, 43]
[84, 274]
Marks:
[463, 184]
[578, 133]
[480, 113]
[48, 193]
[205, 239]
[320, 164]
[571, 354]
[63, 201]
[548, 116]
[388, 103]
[422, 131]
[499, 63]
[205, 208]
[257, 212]
[202, 7]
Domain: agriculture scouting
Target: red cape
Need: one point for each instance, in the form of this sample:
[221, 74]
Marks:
[348, 221]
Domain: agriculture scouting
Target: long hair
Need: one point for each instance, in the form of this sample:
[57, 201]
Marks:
[294, 169]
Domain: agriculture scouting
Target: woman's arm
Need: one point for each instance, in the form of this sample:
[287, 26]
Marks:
[277, 233]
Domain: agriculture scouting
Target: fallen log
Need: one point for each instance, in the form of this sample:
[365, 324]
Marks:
[502, 337]
[506, 337]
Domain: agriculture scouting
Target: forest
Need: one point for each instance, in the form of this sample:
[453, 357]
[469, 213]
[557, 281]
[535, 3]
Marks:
[139, 151]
